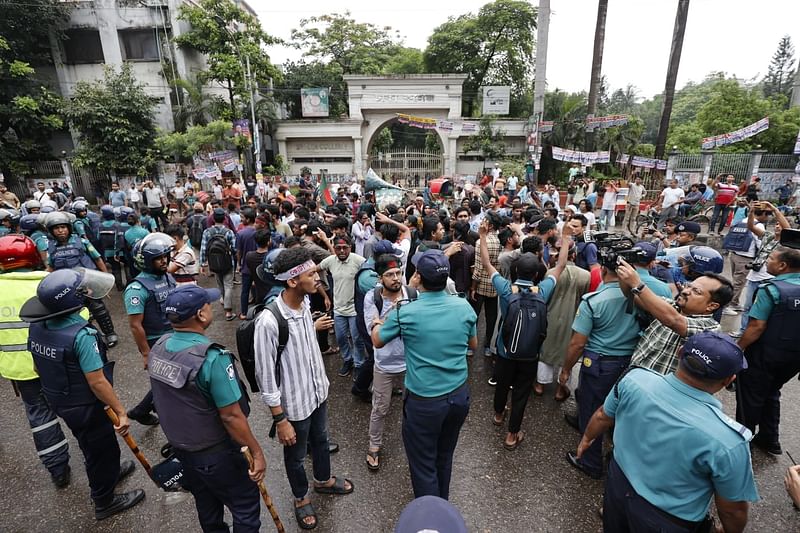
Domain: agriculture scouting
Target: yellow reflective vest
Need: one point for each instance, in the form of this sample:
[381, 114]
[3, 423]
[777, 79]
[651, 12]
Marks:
[16, 288]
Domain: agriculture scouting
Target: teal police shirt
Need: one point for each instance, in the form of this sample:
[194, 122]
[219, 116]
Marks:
[216, 378]
[436, 329]
[85, 344]
[658, 287]
[762, 307]
[40, 239]
[135, 234]
[504, 292]
[136, 296]
[689, 451]
[602, 317]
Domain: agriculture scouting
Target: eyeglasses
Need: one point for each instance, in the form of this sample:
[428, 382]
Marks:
[397, 274]
[341, 247]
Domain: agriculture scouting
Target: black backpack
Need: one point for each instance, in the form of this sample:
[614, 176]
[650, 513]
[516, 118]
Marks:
[377, 296]
[218, 253]
[245, 342]
[196, 229]
[525, 325]
[109, 236]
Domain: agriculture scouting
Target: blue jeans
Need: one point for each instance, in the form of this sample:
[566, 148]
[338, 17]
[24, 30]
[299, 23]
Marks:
[51, 444]
[349, 340]
[594, 385]
[218, 480]
[247, 282]
[430, 435]
[719, 211]
[606, 218]
[749, 291]
[311, 431]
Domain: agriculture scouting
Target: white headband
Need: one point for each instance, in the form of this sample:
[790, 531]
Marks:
[296, 271]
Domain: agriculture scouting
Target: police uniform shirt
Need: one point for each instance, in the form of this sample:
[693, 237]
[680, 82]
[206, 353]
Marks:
[703, 451]
[136, 296]
[436, 328]
[85, 344]
[763, 305]
[134, 234]
[79, 227]
[504, 291]
[654, 284]
[602, 317]
[88, 247]
[216, 378]
[40, 240]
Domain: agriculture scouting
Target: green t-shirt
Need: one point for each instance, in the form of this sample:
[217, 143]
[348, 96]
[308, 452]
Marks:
[216, 378]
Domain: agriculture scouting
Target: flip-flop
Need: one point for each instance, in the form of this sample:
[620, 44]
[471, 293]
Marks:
[230, 317]
[502, 420]
[376, 456]
[512, 447]
[337, 488]
[303, 512]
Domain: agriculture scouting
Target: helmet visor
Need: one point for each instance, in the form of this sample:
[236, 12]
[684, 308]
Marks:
[95, 284]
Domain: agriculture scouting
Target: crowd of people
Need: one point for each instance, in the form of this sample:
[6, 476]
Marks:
[402, 288]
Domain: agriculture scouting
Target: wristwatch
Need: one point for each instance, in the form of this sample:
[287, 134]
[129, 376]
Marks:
[638, 290]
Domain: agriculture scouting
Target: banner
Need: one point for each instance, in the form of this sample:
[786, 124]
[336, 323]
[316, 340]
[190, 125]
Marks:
[241, 126]
[797, 145]
[385, 193]
[469, 127]
[647, 162]
[446, 125]
[609, 121]
[496, 100]
[224, 154]
[315, 101]
[417, 122]
[545, 126]
[584, 158]
[736, 136]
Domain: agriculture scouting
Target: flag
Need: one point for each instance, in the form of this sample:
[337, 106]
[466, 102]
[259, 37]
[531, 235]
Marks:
[324, 191]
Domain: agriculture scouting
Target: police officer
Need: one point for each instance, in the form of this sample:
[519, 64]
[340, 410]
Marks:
[133, 234]
[203, 413]
[772, 345]
[69, 251]
[650, 491]
[20, 274]
[5, 222]
[145, 300]
[76, 378]
[111, 244]
[30, 227]
[604, 335]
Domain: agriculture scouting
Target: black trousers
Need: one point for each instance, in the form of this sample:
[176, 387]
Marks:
[95, 435]
[491, 314]
[520, 375]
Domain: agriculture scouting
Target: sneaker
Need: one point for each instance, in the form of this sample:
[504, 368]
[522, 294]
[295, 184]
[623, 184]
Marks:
[487, 352]
[347, 367]
[772, 448]
[492, 381]
[62, 480]
[469, 352]
[729, 311]
[121, 502]
[735, 334]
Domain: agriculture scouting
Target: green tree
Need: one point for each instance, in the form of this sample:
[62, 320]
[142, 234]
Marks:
[621, 139]
[780, 74]
[197, 105]
[405, 61]
[29, 111]
[489, 141]
[297, 75]
[198, 140]
[114, 121]
[228, 36]
[384, 141]
[568, 113]
[355, 47]
[494, 47]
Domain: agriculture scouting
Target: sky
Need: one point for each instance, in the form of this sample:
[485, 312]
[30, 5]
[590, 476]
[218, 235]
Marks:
[721, 35]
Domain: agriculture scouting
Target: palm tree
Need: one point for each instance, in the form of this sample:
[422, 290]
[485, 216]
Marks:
[197, 106]
[672, 75]
[597, 65]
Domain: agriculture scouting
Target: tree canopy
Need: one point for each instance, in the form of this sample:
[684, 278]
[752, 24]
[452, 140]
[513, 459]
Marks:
[780, 74]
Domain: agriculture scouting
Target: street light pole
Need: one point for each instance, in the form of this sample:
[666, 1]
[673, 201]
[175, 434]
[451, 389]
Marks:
[256, 133]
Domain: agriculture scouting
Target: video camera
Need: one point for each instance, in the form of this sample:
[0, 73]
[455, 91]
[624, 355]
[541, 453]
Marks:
[612, 247]
[790, 238]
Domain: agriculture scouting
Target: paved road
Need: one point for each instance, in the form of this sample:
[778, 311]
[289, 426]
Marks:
[531, 489]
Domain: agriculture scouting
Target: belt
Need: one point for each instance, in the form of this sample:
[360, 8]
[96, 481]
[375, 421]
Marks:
[414, 396]
[601, 356]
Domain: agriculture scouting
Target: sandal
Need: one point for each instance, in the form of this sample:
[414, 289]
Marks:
[338, 488]
[375, 456]
[499, 422]
[229, 317]
[562, 393]
[330, 351]
[303, 512]
[512, 447]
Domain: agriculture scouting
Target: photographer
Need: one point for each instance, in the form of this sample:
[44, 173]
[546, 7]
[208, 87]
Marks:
[587, 251]
[691, 313]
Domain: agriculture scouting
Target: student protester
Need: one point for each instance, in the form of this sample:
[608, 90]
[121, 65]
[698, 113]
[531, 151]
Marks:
[183, 264]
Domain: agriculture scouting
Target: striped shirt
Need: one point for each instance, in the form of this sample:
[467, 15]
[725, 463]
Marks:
[304, 384]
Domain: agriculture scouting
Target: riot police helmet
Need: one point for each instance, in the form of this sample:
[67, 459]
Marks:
[151, 247]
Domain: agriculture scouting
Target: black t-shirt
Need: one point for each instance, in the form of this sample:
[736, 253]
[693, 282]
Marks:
[253, 260]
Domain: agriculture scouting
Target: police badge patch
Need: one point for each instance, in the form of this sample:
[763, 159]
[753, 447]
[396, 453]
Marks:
[230, 371]
[135, 300]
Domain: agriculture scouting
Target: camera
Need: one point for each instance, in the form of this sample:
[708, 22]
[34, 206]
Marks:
[790, 238]
[612, 247]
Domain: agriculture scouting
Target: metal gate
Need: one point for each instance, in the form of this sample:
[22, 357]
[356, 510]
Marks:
[407, 167]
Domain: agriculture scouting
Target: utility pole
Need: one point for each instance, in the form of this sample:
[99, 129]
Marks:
[672, 75]
[540, 81]
[256, 134]
[597, 67]
[795, 101]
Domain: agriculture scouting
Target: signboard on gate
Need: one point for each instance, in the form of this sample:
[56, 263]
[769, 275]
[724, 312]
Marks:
[315, 101]
[496, 100]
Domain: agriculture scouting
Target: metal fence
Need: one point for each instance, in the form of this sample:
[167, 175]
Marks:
[688, 161]
[407, 166]
[85, 182]
[736, 164]
[778, 161]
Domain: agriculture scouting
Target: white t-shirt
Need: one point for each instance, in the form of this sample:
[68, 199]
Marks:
[512, 183]
[671, 196]
[218, 191]
[179, 192]
[153, 197]
[134, 194]
[590, 218]
[609, 200]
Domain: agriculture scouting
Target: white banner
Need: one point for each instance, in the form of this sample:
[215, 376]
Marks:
[584, 158]
[735, 136]
[496, 100]
[609, 121]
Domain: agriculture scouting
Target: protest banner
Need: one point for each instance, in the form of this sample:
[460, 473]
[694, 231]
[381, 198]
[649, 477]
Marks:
[735, 136]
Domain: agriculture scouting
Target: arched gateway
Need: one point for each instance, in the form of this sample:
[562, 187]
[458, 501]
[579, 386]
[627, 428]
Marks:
[344, 146]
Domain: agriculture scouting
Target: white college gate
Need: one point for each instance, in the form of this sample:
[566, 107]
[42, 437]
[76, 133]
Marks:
[406, 165]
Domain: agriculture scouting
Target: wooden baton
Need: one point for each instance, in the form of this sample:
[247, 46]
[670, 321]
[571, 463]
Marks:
[131, 443]
[264, 494]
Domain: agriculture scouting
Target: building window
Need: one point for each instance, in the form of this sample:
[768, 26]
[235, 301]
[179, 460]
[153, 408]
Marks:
[83, 46]
[139, 45]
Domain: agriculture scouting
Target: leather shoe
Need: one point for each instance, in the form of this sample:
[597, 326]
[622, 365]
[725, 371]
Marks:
[62, 480]
[126, 468]
[573, 460]
[572, 420]
[145, 419]
[333, 447]
[120, 503]
[772, 448]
